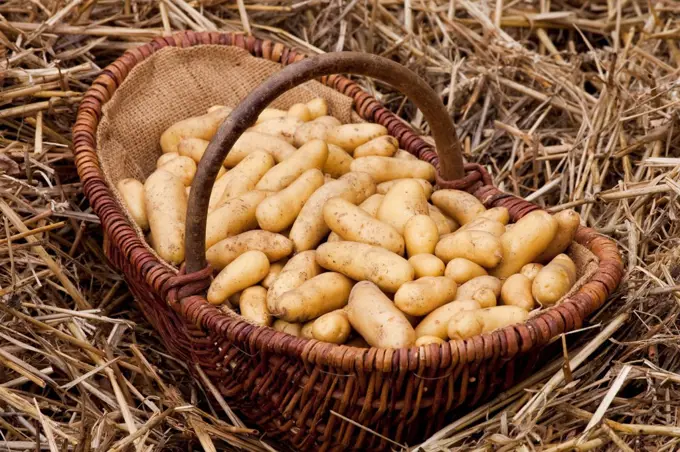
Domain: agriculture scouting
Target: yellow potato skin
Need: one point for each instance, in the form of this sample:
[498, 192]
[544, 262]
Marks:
[444, 225]
[194, 148]
[253, 306]
[499, 214]
[245, 176]
[493, 227]
[311, 155]
[531, 270]
[316, 296]
[463, 270]
[485, 297]
[426, 265]
[294, 329]
[297, 270]
[216, 193]
[274, 246]
[132, 194]
[376, 319]
[246, 270]
[485, 320]
[166, 208]
[421, 235]
[516, 291]
[332, 327]
[554, 280]
[182, 167]
[424, 295]
[459, 205]
[311, 131]
[317, 107]
[165, 158]
[329, 121]
[274, 270]
[300, 111]
[427, 340]
[568, 222]
[384, 146]
[283, 127]
[360, 261]
[522, 244]
[479, 247]
[372, 204]
[233, 217]
[350, 136]
[338, 162]
[354, 224]
[468, 290]
[404, 200]
[384, 169]
[436, 322]
[385, 186]
[203, 127]
[280, 210]
[270, 113]
[306, 331]
[250, 142]
[404, 155]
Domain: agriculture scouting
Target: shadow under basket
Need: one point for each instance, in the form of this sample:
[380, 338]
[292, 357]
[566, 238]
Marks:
[292, 387]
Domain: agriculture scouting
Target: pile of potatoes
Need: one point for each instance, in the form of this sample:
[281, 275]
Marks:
[330, 231]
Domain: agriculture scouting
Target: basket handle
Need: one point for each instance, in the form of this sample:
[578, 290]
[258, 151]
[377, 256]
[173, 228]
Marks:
[246, 113]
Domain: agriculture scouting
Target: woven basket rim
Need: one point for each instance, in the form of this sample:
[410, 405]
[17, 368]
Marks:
[504, 343]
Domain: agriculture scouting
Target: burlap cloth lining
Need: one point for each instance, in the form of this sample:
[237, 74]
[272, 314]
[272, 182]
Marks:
[177, 83]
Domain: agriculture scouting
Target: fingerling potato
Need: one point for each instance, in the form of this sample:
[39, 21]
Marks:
[166, 209]
[459, 205]
[479, 247]
[132, 194]
[250, 142]
[384, 169]
[310, 156]
[568, 222]
[297, 270]
[274, 246]
[294, 329]
[463, 270]
[404, 200]
[316, 296]
[233, 217]
[350, 136]
[467, 290]
[426, 265]
[332, 327]
[424, 295]
[436, 322]
[384, 146]
[245, 176]
[516, 291]
[486, 320]
[246, 270]
[283, 127]
[253, 306]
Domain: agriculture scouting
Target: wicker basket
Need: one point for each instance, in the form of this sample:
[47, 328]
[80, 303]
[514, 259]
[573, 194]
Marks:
[290, 386]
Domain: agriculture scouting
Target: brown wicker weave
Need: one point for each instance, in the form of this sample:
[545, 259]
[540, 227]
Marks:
[287, 385]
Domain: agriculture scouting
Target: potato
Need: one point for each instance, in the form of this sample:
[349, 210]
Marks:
[468, 290]
[317, 107]
[216, 192]
[404, 155]
[385, 186]
[316, 296]
[270, 113]
[463, 270]
[525, 242]
[332, 327]
[215, 108]
[421, 235]
[274, 270]
[334, 237]
[405, 200]
[355, 224]
[531, 270]
[485, 297]
[338, 161]
[440, 220]
[360, 261]
[234, 300]
[194, 148]
[311, 131]
[459, 205]
[568, 222]
[246, 270]
[427, 340]
[499, 214]
[471, 323]
[279, 211]
[233, 217]
[516, 291]
[377, 319]
[554, 280]
[436, 322]
[384, 169]
[297, 270]
[311, 155]
[253, 305]
[424, 295]
[435, 212]
[330, 121]
[350, 136]
[300, 111]
[182, 167]
[309, 229]
[245, 176]
[359, 342]
[166, 209]
[274, 246]
[306, 331]
[294, 329]
[479, 247]
[384, 146]
[426, 265]
[132, 194]
[282, 127]
[493, 227]
[165, 158]
[372, 204]
[250, 142]
[204, 127]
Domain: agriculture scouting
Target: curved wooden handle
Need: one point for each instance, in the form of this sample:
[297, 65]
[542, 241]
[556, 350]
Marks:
[246, 113]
